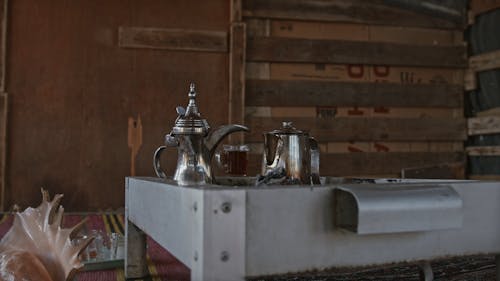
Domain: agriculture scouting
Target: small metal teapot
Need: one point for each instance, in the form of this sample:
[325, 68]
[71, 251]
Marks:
[196, 144]
[290, 156]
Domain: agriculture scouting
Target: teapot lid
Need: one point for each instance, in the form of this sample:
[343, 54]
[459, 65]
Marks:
[189, 120]
[288, 129]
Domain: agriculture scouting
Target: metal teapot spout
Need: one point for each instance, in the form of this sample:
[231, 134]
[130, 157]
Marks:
[272, 146]
[216, 136]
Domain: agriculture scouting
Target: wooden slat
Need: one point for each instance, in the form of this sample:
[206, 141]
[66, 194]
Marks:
[237, 77]
[258, 27]
[483, 125]
[314, 93]
[236, 10]
[366, 129]
[3, 146]
[275, 49]
[365, 73]
[492, 150]
[454, 170]
[489, 112]
[356, 11]
[482, 6]
[3, 102]
[486, 61]
[257, 70]
[374, 163]
[3, 43]
[360, 32]
[381, 163]
[470, 81]
[484, 177]
[173, 39]
[478, 63]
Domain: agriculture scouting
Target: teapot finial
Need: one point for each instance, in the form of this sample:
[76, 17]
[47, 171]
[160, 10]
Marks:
[287, 124]
[192, 108]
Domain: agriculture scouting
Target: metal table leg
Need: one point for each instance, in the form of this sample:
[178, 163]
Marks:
[135, 248]
[497, 262]
[426, 273]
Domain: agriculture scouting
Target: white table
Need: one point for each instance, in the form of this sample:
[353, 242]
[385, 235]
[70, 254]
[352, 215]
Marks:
[229, 233]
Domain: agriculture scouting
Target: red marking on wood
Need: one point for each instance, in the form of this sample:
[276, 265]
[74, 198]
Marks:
[380, 147]
[381, 109]
[381, 70]
[354, 149]
[355, 111]
[355, 70]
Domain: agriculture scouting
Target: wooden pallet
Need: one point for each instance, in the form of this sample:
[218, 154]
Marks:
[478, 63]
[379, 95]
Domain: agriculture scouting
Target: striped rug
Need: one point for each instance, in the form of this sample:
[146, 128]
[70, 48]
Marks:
[161, 264]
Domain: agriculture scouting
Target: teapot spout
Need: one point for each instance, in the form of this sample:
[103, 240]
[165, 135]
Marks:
[216, 136]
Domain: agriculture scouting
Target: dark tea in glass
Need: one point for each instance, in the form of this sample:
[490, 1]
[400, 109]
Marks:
[234, 159]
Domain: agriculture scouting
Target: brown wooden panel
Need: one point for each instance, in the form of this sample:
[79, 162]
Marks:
[172, 39]
[372, 163]
[363, 73]
[365, 129]
[358, 11]
[275, 49]
[3, 42]
[237, 77]
[314, 93]
[3, 146]
[72, 91]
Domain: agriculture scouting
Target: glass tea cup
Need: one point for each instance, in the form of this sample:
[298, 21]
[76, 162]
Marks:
[233, 159]
[99, 248]
[117, 246]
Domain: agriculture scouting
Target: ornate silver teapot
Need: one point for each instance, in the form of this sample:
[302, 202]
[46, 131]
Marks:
[196, 144]
[290, 156]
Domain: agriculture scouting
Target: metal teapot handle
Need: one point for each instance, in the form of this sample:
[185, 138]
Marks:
[169, 141]
[156, 162]
[313, 144]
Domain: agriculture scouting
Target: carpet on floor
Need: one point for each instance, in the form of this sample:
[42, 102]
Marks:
[162, 265]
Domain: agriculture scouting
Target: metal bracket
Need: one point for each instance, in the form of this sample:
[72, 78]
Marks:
[220, 237]
[368, 209]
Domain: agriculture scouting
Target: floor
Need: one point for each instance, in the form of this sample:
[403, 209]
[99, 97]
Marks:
[164, 267]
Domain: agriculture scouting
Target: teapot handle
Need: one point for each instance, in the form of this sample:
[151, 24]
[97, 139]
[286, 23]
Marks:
[156, 162]
[313, 144]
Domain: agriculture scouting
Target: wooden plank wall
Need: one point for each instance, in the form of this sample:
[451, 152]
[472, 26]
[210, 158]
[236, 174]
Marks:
[73, 89]
[380, 89]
